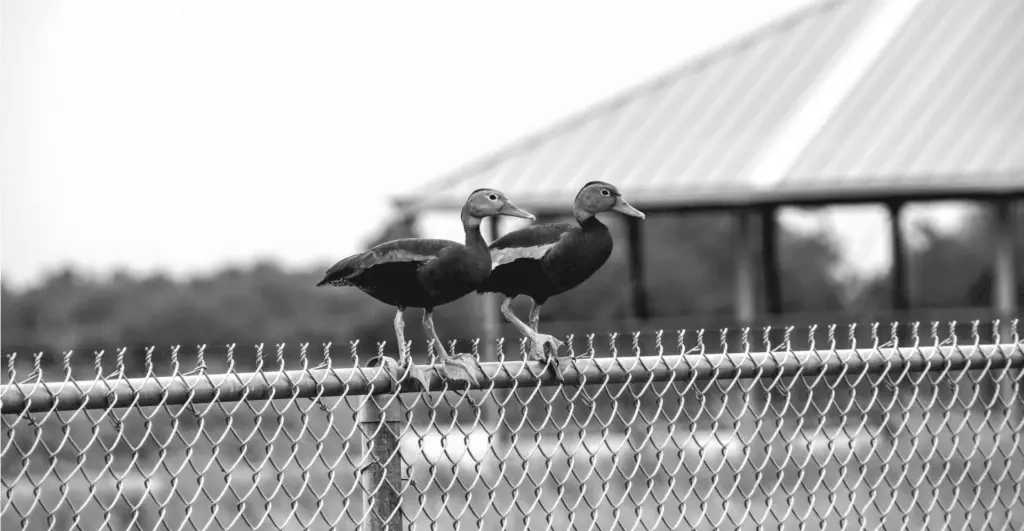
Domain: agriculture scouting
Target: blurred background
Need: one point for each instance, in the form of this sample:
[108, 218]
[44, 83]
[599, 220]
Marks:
[183, 174]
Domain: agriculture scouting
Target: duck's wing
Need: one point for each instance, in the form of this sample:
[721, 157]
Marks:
[531, 242]
[417, 251]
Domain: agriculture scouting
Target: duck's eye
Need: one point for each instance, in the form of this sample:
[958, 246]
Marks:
[493, 197]
[605, 192]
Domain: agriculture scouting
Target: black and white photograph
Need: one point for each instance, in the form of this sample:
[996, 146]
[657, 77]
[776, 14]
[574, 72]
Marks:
[648, 265]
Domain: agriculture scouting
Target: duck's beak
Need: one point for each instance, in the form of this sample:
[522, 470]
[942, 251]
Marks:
[508, 209]
[622, 206]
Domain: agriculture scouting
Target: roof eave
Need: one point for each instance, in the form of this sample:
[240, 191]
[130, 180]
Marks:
[955, 187]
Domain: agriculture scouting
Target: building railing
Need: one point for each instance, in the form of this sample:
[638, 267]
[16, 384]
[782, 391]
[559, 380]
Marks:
[700, 429]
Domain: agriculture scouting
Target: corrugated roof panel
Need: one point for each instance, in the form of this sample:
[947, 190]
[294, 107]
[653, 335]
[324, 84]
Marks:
[940, 101]
[943, 102]
[782, 88]
[694, 129]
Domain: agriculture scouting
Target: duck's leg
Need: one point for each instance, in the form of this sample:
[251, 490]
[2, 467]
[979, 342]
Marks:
[460, 366]
[538, 341]
[428, 326]
[405, 366]
[535, 316]
[403, 350]
[535, 325]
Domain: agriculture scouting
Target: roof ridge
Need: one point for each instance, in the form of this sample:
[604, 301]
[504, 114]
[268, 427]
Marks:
[691, 65]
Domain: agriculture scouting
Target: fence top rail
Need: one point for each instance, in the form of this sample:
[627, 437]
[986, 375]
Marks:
[36, 395]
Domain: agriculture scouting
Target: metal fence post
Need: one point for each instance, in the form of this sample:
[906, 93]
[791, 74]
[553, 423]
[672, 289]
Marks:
[379, 421]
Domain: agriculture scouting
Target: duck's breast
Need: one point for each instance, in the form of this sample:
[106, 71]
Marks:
[577, 258]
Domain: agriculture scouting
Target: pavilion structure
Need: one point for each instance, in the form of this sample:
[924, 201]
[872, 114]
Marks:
[851, 101]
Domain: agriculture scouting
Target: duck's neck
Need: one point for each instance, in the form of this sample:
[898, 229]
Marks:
[474, 240]
[587, 220]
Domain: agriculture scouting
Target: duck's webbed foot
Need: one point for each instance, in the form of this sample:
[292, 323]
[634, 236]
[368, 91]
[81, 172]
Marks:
[406, 370]
[545, 348]
[462, 371]
[461, 367]
[542, 346]
[402, 372]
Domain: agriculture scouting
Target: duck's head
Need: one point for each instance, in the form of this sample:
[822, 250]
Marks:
[597, 196]
[487, 202]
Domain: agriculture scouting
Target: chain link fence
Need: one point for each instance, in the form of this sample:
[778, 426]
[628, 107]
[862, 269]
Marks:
[842, 428]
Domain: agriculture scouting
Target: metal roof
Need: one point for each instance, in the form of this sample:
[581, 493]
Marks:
[947, 99]
[852, 99]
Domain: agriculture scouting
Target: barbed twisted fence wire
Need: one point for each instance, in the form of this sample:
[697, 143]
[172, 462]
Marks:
[873, 427]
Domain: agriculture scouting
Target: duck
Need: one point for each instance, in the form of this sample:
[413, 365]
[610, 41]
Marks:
[544, 260]
[425, 273]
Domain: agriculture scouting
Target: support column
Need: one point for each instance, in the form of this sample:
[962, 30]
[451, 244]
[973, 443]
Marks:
[636, 269]
[1004, 285]
[746, 282]
[900, 282]
[770, 259]
[380, 420]
[1004, 294]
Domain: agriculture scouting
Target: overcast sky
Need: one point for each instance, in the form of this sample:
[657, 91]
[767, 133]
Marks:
[182, 136]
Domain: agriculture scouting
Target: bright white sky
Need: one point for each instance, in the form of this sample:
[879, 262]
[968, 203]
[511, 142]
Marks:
[181, 136]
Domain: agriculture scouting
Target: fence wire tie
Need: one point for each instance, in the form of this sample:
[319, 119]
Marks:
[327, 362]
[118, 376]
[36, 376]
[200, 367]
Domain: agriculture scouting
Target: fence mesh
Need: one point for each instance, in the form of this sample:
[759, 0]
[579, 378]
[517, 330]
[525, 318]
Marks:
[882, 427]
